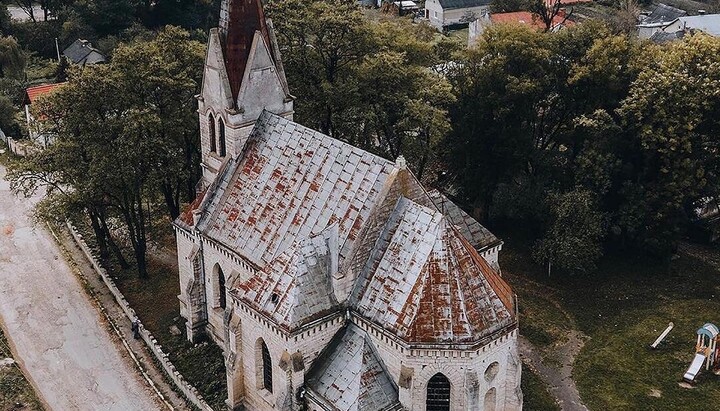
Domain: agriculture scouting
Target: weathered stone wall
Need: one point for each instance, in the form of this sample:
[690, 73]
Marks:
[288, 369]
[411, 369]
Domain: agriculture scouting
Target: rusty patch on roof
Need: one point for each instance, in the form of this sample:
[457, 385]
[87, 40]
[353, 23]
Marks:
[246, 17]
[187, 215]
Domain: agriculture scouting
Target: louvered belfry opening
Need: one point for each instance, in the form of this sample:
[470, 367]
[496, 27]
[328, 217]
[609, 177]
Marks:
[221, 139]
[438, 393]
[267, 368]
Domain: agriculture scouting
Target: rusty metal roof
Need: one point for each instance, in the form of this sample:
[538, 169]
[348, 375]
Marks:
[479, 236]
[245, 17]
[295, 288]
[350, 375]
[292, 183]
[423, 283]
[300, 206]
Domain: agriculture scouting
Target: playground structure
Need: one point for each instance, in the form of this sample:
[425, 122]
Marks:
[662, 336]
[706, 352]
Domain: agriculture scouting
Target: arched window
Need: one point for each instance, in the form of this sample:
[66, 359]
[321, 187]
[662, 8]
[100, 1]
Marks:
[221, 296]
[221, 138]
[490, 400]
[267, 377]
[211, 133]
[438, 393]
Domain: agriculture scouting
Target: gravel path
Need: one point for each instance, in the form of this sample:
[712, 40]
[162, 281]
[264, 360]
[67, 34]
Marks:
[57, 334]
[558, 377]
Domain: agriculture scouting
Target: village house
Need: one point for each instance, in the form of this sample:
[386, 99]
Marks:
[36, 131]
[447, 13]
[657, 19]
[525, 18]
[82, 52]
[330, 277]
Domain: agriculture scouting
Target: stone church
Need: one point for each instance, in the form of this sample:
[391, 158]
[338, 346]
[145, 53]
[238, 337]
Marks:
[331, 278]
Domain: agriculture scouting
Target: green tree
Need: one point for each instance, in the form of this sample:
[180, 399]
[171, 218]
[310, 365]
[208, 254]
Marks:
[126, 136]
[12, 58]
[573, 239]
[673, 108]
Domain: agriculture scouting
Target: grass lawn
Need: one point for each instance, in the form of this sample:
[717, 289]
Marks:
[155, 300]
[535, 394]
[16, 393]
[623, 307]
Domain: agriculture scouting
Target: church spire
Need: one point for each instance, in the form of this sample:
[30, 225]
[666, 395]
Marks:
[239, 20]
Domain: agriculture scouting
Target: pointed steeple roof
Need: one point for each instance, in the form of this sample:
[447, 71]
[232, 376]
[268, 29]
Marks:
[239, 20]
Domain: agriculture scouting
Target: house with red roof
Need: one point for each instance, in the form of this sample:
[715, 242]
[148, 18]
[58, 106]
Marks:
[524, 18]
[35, 126]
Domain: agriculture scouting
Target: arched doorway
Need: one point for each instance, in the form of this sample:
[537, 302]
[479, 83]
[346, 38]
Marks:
[438, 393]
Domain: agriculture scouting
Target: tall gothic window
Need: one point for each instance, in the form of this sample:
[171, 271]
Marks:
[221, 138]
[211, 133]
[438, 393]
[221, 287]
[266, 368]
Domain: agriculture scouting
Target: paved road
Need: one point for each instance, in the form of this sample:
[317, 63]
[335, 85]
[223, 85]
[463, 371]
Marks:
[16, 13]
[57, 333]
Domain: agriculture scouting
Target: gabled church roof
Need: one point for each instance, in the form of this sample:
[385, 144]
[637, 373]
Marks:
[350, 376]
[295, 288]
[413, 272]
[290, 184]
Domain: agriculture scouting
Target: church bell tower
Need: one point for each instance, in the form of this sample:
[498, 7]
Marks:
[243, 76]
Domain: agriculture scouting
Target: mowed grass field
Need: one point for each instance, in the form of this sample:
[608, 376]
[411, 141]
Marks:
[623, 308]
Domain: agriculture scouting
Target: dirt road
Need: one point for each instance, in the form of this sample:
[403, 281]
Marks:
[57, 334]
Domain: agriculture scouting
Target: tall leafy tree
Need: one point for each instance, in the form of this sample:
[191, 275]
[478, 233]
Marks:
[125, 137]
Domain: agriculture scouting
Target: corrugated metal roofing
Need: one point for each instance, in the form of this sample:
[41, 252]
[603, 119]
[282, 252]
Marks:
[351, 376]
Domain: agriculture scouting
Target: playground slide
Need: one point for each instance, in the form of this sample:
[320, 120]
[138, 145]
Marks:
[695, 368]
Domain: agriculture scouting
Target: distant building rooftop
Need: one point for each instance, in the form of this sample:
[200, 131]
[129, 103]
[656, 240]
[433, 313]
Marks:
[527, 18]
[33, 93]
[462, 4]
[707, 23]
[82, 52]
[661, 14]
